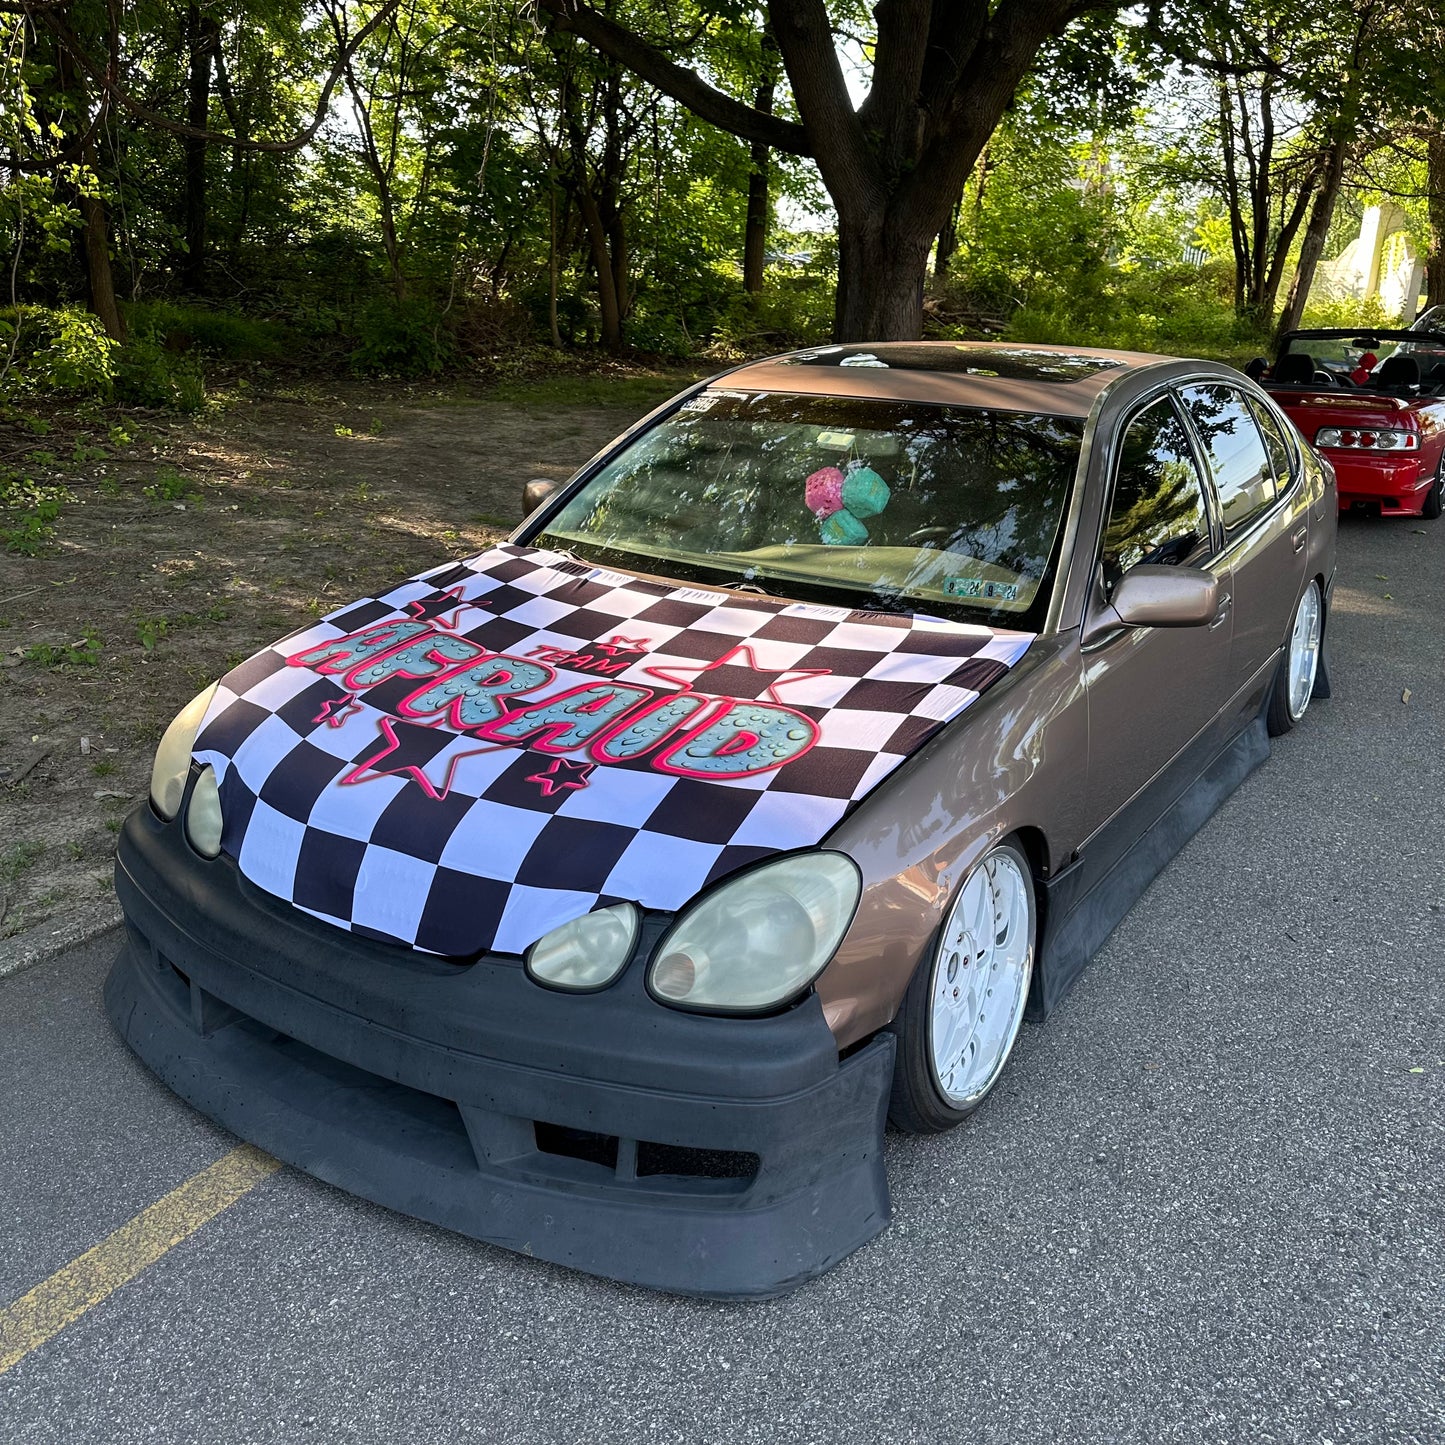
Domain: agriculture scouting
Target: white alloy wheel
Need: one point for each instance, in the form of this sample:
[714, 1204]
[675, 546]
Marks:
[981, 973]
[1304, 651]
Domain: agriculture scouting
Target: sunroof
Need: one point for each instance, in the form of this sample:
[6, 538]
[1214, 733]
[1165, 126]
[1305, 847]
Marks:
[1013, 364]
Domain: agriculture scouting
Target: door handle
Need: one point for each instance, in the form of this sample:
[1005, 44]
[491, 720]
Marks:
[1221, 612]
[1301, 537]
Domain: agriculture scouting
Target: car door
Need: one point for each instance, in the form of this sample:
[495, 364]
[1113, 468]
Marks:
[1266, 527]
[1151, 690]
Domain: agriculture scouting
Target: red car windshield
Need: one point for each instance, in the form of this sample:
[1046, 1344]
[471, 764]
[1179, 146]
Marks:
[1398, 362]
[861, 503]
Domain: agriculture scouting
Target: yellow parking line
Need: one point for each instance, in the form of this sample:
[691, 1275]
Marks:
[82, 1284]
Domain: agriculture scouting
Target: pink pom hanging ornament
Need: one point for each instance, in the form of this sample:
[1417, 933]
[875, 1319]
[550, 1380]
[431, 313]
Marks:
[823, 492]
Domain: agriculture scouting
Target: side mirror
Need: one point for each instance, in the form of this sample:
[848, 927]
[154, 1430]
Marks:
[1155, 596]
[536, 492]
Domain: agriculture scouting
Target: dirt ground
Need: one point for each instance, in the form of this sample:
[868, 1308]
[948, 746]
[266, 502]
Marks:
[192, 542]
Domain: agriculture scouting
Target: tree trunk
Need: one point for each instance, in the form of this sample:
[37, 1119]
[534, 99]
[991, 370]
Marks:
[100, 278]
[946, 246]
[552, 267]
[755, 231]
[943, 74]
[607, 302]
[1435, 258]
[1316, 233]
[202, 38]
[880, 280]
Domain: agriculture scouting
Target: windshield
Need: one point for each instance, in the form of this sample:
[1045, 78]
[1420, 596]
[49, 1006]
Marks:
[868, 504]
[1357, 358]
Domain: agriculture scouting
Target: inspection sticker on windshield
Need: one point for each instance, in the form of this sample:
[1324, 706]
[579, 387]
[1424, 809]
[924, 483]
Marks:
[706, 400]
[979, 587]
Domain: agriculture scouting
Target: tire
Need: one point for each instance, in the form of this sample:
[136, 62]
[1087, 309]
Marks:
[929, 1097]
[1434, 502]
[1294, 679]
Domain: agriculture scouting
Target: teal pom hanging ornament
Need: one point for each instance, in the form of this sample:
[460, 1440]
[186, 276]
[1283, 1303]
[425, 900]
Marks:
[865, 493]
[843, 529]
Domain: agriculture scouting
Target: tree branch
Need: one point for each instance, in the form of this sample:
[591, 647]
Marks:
[111, 89]
[684, 86]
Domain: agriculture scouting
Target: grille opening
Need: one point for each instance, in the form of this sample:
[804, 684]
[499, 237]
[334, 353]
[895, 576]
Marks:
[577, 1144]
[653, 1159]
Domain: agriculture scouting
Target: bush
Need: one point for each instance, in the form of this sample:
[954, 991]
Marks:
[222, 334]
[402, 338]
[62, 351]
[1348, 311]
[147, 374]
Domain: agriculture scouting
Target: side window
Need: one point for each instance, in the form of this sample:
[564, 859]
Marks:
[1236, 452]
[1158, 512]
[1275, 444]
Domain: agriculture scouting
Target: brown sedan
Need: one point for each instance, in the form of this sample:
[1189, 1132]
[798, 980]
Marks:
[600, 895]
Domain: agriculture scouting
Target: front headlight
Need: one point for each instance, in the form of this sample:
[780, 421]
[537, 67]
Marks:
[759, 941]
[586, 953]
[203, 815]
[173, 757]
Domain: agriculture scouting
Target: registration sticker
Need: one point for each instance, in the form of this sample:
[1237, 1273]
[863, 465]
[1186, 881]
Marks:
[980, 587]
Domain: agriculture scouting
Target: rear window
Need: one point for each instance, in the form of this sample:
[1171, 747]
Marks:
[863, 503]
[1235, 450]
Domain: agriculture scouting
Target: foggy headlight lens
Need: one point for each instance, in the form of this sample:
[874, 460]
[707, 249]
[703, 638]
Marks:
[588, 952]
[761, 940]
[173, 757]
[203, 815]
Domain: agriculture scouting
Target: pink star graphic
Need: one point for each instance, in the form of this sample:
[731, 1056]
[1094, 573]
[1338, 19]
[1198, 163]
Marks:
[368, 769]
[618, 643]
[784, 678]
[430, 609]
[562, 774]
[344, 710]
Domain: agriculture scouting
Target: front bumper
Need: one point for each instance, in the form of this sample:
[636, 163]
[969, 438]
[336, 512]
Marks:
[1396, 487]
[725, 1157]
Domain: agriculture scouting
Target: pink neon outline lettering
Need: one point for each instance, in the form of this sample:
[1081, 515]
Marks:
[345, 661]
[453, 711]
[597, 748]
[548, 731]
[663, 761]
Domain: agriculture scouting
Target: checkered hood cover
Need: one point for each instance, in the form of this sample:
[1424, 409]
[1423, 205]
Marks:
[499, 746]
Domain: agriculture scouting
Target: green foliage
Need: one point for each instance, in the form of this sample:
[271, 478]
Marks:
[148, 374]
[1364, 314]
[85, 651]
[150, 630]
[28, 511]
[402, 338]
[59, 351]
[171, 486]
[228, 335]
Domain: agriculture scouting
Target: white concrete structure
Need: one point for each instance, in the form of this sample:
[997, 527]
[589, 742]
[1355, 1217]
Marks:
[1380, 261]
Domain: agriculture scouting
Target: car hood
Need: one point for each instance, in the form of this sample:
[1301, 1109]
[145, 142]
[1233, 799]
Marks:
[499, 746]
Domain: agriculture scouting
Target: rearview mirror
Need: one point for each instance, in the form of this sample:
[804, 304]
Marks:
[1154, 596]
[536, 492]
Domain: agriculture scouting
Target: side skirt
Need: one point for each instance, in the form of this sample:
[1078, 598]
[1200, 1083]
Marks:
[1086, 901]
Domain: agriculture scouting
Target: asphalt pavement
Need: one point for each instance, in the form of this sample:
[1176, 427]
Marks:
[1205, 1203]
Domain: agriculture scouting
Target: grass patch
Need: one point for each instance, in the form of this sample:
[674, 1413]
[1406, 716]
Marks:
[635, 392]
[15, 860]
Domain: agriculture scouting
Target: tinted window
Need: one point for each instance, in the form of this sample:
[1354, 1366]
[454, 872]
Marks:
[842, 500]
[1158, 514]
[1275, 443]
[1235, 449]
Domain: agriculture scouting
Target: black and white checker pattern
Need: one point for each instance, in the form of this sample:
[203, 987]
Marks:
[410, 832]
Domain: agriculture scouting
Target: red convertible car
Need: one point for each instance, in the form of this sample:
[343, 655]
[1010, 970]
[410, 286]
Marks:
[1373, 404]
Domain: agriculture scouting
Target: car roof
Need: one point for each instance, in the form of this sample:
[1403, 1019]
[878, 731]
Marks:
[995, 375]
